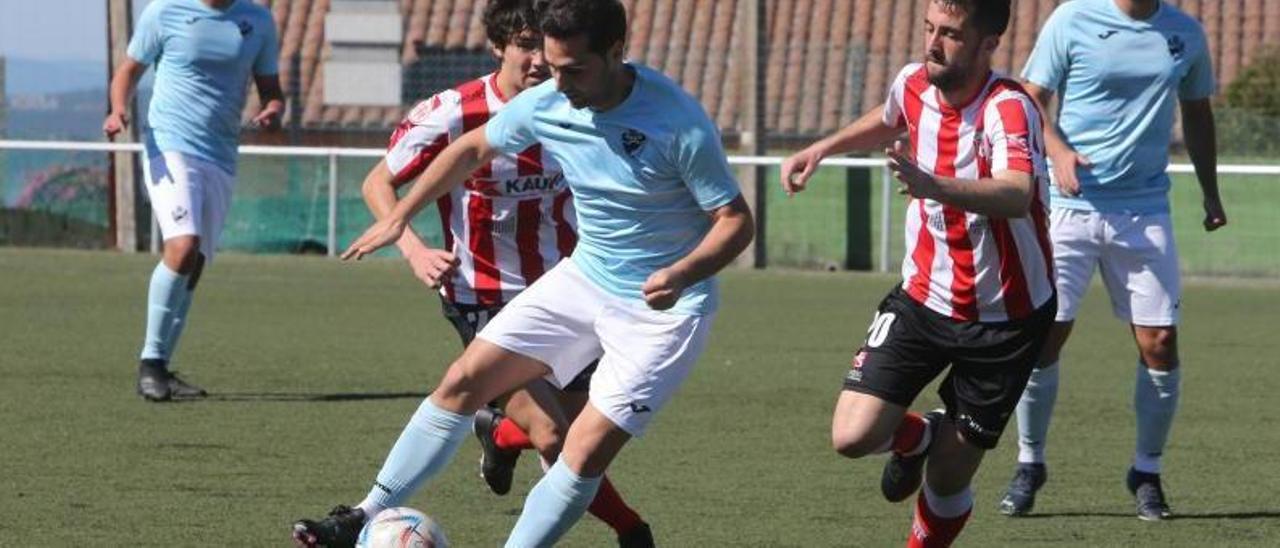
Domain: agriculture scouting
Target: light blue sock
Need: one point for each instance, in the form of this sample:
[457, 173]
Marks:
[165, 299]
[1155, 400]
[552, 507]
[1034, 411]
[425, 447]
[179, 322]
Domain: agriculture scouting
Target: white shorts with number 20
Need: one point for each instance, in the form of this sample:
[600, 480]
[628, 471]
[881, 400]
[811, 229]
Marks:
[566, 321]
[1136, 255]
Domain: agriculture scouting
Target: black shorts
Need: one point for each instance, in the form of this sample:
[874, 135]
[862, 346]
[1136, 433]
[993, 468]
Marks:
[909, 345]
[469, 319]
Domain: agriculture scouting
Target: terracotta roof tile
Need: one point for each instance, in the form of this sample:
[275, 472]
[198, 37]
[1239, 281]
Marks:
[833, 79]
[828, 59]
[722, 72]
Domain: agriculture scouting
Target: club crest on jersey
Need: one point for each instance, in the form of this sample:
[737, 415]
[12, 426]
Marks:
[632, 141]
[1176, 46]
[245, 28]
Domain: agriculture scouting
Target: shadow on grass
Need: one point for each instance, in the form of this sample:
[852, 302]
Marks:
[304, 397]
[1261, 514]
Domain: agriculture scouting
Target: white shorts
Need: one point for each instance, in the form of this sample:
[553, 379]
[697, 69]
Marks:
[189, 196]
[1136, 254]
[566, 321]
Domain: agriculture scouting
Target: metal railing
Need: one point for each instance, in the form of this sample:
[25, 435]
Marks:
[334, 153]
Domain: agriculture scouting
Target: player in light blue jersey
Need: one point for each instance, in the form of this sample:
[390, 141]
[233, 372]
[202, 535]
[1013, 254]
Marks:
[1121, 69]
[659, 213]
[205, 52]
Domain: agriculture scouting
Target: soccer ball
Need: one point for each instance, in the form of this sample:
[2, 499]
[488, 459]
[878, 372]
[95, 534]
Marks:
[402, 528]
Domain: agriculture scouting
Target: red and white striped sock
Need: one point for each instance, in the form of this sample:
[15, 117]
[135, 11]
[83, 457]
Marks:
[938, 520]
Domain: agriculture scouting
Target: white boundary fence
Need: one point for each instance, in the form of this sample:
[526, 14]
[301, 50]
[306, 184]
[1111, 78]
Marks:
[334, 153]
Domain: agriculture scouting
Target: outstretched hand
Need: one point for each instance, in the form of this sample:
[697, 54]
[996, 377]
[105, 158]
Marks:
[798, 168]
[382, 234]
[916, 182]
[432, 266]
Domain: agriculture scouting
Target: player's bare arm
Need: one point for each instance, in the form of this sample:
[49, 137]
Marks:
[1065, 159]
[1202, 145]
[867, 132]
[123, 82]
[455, 163]
[272, 99]
[429, 264]
[732, 229]
[1006, 194]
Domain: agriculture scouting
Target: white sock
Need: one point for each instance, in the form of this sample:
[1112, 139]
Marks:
[949, 506]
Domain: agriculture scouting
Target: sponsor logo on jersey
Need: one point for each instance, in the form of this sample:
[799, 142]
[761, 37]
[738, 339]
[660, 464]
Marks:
[519, 185]
[418, 116]
[1107, 34]
[1018, 141]
[937, 221]
[529, 184]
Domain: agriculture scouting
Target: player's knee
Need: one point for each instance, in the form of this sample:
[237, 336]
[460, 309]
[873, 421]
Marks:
[459, 389]
[1159, 347]
[196, 271]
[182, 254]
[855, 445]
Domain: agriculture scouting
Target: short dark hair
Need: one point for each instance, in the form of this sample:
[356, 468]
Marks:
[504, 19]
[990, 17]
[603, 21]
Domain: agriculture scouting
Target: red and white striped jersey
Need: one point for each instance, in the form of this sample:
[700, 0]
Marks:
[958, 263]
[512, 220]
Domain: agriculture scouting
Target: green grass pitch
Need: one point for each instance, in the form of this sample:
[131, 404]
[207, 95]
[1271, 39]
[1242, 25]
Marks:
[315, 366]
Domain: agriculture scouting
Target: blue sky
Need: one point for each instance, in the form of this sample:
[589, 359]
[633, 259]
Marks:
[60, 30]
[71, 34]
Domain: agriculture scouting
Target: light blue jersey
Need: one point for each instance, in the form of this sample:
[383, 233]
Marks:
[1119, 80]
[203, 57]
[643, 176]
